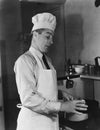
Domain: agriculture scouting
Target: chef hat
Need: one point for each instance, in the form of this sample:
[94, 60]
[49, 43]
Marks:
[44, 21]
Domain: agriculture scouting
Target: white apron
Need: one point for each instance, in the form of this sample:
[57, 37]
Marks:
[47, 86]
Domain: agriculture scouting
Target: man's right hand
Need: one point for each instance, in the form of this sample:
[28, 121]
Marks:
[74, 106]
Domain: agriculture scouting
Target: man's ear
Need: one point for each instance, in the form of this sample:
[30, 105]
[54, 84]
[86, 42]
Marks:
[35, 34]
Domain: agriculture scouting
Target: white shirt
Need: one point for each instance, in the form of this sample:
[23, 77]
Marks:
[26, 71]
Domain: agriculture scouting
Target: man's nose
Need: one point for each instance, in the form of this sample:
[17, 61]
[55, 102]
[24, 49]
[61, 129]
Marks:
[51, 41]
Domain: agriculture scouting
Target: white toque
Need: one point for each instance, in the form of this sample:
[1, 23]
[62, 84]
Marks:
[44, 21]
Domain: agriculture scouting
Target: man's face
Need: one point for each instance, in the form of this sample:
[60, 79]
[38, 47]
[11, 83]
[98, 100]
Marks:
[44, 40]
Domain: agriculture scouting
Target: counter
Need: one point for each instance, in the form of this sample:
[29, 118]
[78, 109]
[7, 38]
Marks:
[94, 77]
[85, 76]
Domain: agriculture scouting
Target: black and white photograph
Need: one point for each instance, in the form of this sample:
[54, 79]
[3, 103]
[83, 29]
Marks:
[49, 64]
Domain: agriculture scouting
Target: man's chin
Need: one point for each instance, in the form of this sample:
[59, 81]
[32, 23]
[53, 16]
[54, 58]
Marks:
[45, 50]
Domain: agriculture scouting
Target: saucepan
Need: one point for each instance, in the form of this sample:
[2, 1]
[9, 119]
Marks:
[93, 108]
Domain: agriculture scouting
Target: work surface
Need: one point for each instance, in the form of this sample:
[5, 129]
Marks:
[87, 76]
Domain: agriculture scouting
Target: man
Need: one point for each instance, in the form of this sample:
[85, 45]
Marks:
[37, 81]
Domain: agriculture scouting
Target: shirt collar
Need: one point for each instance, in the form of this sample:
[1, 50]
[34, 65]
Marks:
[35, 51]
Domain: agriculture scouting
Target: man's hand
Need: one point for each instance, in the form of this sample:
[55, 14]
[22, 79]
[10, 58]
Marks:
[74, 106]
[67, 96]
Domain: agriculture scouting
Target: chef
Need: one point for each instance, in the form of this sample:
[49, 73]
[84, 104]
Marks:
[37, 81]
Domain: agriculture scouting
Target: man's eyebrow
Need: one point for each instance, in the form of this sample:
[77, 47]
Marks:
[50, 33]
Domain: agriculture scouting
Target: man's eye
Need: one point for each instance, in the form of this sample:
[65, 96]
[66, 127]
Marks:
[48, 37]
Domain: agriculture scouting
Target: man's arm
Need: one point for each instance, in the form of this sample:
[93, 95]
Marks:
[25, 71]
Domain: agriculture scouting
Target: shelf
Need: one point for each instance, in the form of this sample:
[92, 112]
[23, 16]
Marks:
[85, 76]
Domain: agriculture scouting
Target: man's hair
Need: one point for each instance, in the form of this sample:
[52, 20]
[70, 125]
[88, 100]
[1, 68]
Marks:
[39, 30]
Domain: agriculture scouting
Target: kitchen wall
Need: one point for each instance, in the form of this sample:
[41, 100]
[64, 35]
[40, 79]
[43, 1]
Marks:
[82, 30]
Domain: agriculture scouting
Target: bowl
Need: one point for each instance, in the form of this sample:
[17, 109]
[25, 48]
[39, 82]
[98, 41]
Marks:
[79, 69]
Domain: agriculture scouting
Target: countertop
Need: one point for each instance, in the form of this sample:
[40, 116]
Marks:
[88, 76]
[85, 76]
